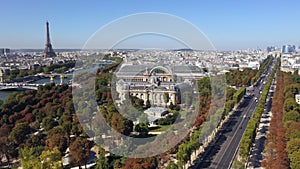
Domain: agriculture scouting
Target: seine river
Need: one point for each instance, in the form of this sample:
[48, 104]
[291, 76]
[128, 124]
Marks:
[5, 94]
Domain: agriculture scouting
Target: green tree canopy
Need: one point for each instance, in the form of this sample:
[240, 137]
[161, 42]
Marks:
[51, 159]
[291, 116]
[102, 162]
[19, 132]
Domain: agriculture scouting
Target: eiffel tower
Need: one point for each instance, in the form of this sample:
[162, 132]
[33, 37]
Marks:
[48, 52]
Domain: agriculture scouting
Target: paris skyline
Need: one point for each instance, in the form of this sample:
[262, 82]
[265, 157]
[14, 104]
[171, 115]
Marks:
[230, 25]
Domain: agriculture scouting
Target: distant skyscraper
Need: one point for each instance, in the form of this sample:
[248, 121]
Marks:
[271, 48]
[48, 52]
[288, 49]
[4, 52]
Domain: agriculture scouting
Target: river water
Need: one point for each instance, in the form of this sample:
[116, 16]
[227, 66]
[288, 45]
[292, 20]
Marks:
[5, 94]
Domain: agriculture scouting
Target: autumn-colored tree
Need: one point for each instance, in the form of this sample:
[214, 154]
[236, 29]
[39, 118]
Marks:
[79, 152]
[275, 148]
[121, 124]
[58, 141]
[145, 163]
[293, 131]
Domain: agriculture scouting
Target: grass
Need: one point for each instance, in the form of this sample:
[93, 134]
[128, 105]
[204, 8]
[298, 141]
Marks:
[159, 128]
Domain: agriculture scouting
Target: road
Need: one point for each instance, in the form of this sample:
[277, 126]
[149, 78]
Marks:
[257, 149]
[222, 150]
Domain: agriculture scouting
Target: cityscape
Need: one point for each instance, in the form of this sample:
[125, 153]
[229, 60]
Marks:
[149, 99]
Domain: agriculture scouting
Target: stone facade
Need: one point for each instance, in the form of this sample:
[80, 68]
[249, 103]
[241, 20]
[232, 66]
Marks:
[153, 83]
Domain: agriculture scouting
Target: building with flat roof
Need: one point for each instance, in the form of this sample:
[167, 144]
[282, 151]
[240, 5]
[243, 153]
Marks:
[4, 51]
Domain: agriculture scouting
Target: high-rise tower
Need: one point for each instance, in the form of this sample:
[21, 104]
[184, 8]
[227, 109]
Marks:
[48, 52]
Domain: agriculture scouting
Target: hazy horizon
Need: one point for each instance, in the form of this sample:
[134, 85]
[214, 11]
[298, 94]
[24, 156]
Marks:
[229, 25]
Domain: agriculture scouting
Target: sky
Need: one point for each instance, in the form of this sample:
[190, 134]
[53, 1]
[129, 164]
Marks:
[229, 25]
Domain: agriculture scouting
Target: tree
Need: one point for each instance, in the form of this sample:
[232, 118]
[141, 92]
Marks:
[36, 140]
[79, 152]
[187, 98]
[48, 123]
[291, 116]
[140, 163]
[46, 69]
[128, 126]
[295, 160]
[166, 98]
[56, 130]
[51, 159]
[172, 165]
[7, 149]
[293, 146]
[139, 103]
[296, 72]
[29, 157]
[204, 83]
[171, 106]
[290, 104]
[121, 124]
[76, 128]
[229, 93]
[293, 131]
[19, 132]
[276, 155]
[58, 141]
[142, 129]
[117, 164]
[229, 106]
[148, 104]
[170, 119]
[239, 94]
[144, 118]
[102, 161]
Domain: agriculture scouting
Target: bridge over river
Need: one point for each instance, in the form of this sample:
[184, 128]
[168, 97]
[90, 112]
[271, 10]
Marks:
[32, 83]
[19, 86]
